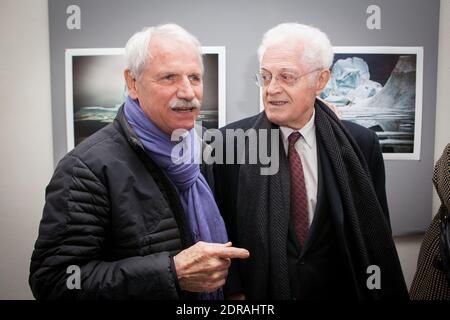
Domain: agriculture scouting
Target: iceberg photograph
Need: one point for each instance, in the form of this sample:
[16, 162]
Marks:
[380, 91]
[98, 92]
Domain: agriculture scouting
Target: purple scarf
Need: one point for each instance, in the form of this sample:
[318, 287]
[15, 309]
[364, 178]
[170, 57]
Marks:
[205, 221]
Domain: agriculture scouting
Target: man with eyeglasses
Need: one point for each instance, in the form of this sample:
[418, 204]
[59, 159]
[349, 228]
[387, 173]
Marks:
[318, 227]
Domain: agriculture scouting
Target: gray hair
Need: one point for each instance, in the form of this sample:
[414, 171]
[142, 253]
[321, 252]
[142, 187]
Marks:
[318, 52]
[137, 52]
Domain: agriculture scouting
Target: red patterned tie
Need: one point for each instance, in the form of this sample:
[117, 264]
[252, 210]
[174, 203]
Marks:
[299, 202]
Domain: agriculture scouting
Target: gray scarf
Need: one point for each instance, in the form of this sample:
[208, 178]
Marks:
[265, 209]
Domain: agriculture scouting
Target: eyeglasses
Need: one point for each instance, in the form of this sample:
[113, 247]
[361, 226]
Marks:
[285, 78]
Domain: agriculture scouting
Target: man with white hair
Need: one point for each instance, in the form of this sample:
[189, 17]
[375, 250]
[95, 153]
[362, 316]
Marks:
[121, 219]
[319, 227]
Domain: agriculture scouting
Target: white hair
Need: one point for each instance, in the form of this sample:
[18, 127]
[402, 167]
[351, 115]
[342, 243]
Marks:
[137, 51]
[317, 51]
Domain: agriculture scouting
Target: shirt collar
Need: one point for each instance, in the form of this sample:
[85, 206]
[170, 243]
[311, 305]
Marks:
[307, 132]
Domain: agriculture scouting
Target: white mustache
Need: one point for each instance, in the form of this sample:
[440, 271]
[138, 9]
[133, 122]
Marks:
[181, 103]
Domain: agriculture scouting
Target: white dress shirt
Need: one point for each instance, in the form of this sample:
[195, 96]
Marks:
[306, 147]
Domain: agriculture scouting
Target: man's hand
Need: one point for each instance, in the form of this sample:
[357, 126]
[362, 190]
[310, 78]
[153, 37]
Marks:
[203, 267]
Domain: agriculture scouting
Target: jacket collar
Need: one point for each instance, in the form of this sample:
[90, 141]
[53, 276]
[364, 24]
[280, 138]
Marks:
[127, 131]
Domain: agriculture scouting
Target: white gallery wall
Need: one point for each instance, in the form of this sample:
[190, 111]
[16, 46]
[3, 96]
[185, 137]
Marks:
[26, 161]
[443, 92]
[408, 246]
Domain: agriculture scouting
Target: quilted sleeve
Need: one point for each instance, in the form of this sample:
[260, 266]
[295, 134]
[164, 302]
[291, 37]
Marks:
[74, 231]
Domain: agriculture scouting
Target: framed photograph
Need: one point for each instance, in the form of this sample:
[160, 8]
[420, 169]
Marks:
[381, 88]
[95, 90]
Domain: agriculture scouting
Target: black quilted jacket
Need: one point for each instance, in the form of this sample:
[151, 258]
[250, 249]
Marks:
[114, 213]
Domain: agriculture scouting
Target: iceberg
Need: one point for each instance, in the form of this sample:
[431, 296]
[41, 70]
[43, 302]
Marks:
[390, 111]
[350, 83]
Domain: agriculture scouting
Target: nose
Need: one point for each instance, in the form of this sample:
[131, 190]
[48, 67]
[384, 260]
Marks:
[273, 87]
[185, 90]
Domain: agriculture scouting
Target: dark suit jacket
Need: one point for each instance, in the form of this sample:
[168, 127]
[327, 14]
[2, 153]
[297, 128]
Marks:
[319, 270]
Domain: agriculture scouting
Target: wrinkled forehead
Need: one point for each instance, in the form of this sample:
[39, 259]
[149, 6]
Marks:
[282, 55]
[170, 42]
[173, 49]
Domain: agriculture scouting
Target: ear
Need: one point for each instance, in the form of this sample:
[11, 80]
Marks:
[324, 77]
[131, 84]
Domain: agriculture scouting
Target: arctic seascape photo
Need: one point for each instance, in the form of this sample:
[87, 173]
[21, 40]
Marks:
[95, 90]
[380, 88]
